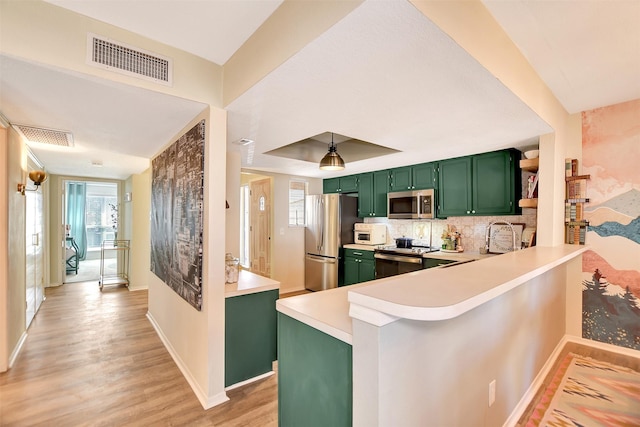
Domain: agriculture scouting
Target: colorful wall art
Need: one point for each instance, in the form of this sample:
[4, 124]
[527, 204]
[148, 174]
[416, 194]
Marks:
[611, 269]
[177, 190]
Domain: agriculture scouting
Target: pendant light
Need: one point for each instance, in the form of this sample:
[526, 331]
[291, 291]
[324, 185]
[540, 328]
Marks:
[332, 160]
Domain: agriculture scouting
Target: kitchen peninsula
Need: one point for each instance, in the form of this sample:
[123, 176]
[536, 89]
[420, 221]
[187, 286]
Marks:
[423, 347]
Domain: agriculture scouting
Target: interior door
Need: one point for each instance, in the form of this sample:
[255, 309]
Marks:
[260, 227]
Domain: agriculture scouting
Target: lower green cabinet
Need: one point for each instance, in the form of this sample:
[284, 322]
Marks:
[315, 379]
[359, 266]
[250, 335]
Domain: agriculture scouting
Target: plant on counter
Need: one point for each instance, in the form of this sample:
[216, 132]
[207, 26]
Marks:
[451, 239]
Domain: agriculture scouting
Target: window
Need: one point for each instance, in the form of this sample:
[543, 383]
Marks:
[244, 225]
[297, 193]
[101, 213]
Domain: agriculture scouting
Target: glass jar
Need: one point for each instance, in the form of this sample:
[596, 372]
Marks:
[231, 269]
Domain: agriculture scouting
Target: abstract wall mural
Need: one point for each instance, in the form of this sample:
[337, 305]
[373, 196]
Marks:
[611, 269]
[177, 191]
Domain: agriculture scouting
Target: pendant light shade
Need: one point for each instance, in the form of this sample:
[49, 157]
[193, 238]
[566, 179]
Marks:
[332, 160]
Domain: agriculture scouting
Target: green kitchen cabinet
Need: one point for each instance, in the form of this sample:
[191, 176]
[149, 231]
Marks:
[250, 335]
[372, 194]
[454, 187]
[483, 184]
[497, 180]
[343, 184]
[359, 266]
[416, 177]
[315, 377]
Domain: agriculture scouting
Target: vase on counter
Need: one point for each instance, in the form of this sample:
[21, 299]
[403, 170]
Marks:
[448, 244]
[231, 269]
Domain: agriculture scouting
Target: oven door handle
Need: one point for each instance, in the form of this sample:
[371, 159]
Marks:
[399, 258]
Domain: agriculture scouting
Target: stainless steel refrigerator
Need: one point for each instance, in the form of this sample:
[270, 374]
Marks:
[330, 219]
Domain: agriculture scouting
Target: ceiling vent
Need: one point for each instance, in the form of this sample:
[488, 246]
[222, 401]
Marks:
[45, 136]
[115, 56]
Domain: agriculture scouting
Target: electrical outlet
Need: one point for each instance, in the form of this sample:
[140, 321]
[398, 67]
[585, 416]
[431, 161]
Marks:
[492, 392]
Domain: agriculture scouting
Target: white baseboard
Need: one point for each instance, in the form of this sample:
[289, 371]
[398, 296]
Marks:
[137, 288]
[629, 352]
[16, 350]
[207, 402]
[546, 368]
[249, 381]
[535, 385]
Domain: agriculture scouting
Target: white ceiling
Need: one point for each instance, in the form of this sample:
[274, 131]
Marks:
[384, 74]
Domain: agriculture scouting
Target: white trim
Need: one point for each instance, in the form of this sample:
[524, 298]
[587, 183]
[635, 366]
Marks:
[207, 402]
[368, 315]
[249, 381]
[16, 350]
[538, 381]
[629, 352]
[535, 385]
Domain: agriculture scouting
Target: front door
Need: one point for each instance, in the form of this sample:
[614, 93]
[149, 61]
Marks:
[260, 229]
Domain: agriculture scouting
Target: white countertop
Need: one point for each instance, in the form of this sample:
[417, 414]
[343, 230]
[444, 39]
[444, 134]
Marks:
[360, 247]
[249, 283]
[432, 294]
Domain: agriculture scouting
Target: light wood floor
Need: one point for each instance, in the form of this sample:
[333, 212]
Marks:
[92, 359]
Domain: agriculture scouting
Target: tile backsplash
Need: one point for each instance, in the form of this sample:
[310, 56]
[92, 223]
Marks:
[472, 228]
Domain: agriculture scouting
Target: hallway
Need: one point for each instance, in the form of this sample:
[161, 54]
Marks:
[92, 358]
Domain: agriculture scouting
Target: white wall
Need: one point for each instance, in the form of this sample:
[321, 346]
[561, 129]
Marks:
[140, 208]
[287, 243]
[508, 339]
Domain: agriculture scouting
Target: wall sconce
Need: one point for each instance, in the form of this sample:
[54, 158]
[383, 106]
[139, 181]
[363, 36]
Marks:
[38, 177]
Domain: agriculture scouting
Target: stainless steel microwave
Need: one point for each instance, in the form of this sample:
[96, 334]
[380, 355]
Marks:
[417, 204]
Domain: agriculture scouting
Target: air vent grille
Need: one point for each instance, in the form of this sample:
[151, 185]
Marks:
[129, 60]
[45, 136]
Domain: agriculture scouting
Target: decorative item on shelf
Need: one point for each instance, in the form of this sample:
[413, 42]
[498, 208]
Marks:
[531, 154]
[532, 186]
[576, 225]
[38, 177]
[332, 160]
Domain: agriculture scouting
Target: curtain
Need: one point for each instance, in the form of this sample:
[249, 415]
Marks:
[76, 202]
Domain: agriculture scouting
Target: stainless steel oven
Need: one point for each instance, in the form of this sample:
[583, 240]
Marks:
[392, 264]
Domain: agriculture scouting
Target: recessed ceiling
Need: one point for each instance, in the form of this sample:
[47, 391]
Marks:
[313, 149]
[387, 75]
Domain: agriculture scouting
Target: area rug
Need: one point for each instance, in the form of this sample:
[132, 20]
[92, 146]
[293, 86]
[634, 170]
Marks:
[585, 392]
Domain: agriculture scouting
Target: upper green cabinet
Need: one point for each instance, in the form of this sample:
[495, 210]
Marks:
[454, 184]
[416, 177]
[372, 194]
[343, 184]
[484, 184]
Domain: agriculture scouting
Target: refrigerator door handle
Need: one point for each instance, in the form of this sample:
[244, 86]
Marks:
[321, 248]
[322, 259]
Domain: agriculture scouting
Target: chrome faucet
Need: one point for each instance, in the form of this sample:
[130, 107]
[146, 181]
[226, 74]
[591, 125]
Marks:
[513, 233]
